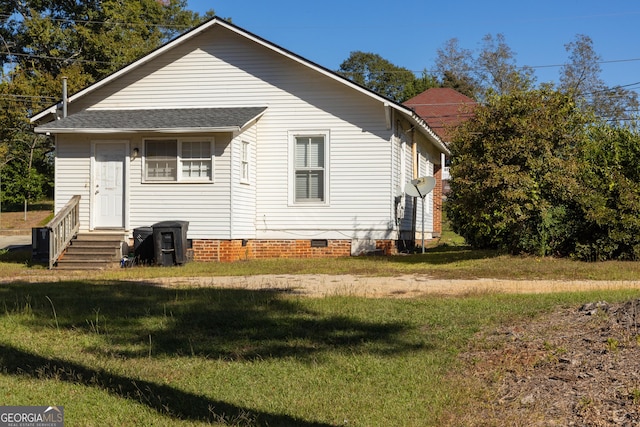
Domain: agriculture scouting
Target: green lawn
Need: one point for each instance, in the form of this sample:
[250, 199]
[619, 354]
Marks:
[118, 353]
[441, 262]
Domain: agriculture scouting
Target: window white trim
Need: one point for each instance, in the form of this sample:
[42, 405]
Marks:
[245, 161]
[323, 169]
[177, 167]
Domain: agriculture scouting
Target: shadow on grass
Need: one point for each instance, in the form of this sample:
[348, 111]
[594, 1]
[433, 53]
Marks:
[18, 255]
[137, 320]
[165, 400]
[232, 324]
[445, 254]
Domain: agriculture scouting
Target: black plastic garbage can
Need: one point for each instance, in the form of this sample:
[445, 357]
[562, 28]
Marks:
[143, 245]
[170, 242]
[40, 244]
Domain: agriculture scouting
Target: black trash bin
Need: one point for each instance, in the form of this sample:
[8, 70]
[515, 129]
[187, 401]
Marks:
[170, 242]
[40, 237]
[143, 245]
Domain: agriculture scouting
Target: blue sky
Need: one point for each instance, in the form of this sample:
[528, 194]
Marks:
[408, 32]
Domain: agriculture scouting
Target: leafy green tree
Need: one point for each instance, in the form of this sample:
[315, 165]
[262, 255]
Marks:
[497, 67]
[581, 77]
[43, 40]
[101, 35]
[493, 69]
[455, 67]
[514, 173]
[462, 84]
[419, 85]
[378, 74]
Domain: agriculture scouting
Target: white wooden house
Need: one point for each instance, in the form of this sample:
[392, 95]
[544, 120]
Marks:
[263, 152]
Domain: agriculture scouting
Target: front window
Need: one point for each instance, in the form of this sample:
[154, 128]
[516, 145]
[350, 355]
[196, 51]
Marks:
[178, 160]
[196, 160]
[310, 168]
[161, 160]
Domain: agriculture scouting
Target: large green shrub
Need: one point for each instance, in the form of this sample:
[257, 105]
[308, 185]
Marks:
[532, 173]
[514, 173]
[610, 200]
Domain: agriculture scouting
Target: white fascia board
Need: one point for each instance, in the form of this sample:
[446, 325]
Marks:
[253, 120]
[44, 129]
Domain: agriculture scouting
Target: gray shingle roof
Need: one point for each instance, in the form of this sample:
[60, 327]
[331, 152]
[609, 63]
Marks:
[155, 120]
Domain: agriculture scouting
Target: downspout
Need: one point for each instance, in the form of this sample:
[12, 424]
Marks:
[414, 210]
[414, 156]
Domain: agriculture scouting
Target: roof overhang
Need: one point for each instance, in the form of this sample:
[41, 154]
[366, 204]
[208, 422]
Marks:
[424, 128]
[173, 120]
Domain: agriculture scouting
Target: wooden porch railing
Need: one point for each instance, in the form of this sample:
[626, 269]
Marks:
[62, 228]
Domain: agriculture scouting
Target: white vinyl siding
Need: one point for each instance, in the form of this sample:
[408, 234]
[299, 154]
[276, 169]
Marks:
[243, 192]
[73, 175]
[220, 69]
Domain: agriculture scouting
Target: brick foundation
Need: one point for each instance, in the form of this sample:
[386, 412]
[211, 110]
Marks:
[237, 250]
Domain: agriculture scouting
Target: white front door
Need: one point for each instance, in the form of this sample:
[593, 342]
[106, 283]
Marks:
[108, 184]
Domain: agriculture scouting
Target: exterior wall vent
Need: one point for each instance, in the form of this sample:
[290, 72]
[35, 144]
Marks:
[319, 243]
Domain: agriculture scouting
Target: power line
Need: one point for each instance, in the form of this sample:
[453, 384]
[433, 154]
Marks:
[114, 23]
[57, 58]
[613, 61]
[25, 97]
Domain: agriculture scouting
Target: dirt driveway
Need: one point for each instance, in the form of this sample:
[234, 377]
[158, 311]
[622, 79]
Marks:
[402, 286]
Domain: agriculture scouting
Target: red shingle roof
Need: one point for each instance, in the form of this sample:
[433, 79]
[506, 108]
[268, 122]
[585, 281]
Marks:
[442, 109]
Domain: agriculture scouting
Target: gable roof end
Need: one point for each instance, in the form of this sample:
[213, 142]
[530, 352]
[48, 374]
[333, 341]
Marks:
[408, 112]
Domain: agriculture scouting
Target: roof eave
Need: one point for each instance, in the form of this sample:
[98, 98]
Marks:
[426, 129]
[188, 130]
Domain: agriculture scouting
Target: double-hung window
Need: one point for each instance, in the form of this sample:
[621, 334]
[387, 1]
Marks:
[310, 168]
[178, 159]
[244, 178]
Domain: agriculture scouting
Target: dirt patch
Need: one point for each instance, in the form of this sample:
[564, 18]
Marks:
[15, 222]
[400, 286]
[574, 367]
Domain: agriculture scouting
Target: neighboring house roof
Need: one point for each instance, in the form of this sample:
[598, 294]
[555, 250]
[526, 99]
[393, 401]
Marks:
[442, 109]
[51, 112]
[155, 120]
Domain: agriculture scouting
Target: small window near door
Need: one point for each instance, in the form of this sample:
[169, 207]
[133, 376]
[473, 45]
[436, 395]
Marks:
[245, 162]
[171, 160]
